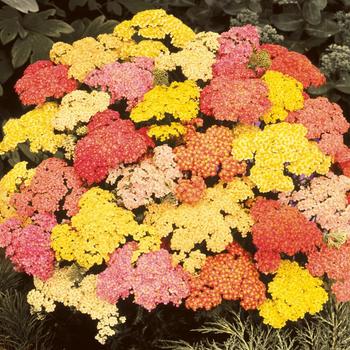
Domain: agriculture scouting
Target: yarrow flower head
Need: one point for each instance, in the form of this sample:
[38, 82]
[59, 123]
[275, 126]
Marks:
[281, 229]
[229, 276]
[28, 244]
[294, 292]
[129, 80]
[54, 187]
[42, 80]
[34, 127]
[335, 262]
[295, 65]
[277, 148]
[152, 281]
[110, 141]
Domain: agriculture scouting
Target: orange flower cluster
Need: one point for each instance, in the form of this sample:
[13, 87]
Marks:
[230, 276]
[190, 191]
[294, 64]
[208, 154]
[280, 229]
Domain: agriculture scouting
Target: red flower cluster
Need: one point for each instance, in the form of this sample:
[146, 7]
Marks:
[281, 229]
[109, 142]
[230, 276]
[190, 191]
[294, 64]
[205, 153]
[43, 79]
[335, 262]
[28, 246]
[55, 186]
[235, 99]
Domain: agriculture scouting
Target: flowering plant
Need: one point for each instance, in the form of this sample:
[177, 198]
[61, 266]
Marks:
[168, 152]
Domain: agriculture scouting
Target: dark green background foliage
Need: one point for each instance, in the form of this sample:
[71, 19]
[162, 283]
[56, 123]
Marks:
[28, 28]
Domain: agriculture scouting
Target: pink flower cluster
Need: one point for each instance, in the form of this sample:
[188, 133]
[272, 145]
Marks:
[28, 246]
[43, 79]
[235, 99]
[335, 262]
[109, 142]
[280, 229]
[153, 281]
[129, 80]
[294, 64]
[54, 187]
[325, 123]
[236, 47]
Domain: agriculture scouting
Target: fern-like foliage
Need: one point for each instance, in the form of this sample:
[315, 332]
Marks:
[9, 278]
[238, 330]
[19, 330]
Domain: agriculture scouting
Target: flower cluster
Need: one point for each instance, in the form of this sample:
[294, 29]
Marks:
[35, 127]
[294, 292]
[295, 65]
[54, 187]
[179, 100]
[28, 244]
[154, 177]
[42, 80]
[152, 281]
[335, 262]
[222, 209]
[177, 168]
[230, 276]
[208, 154]
[279, 147]
[110, 141]
[129, 80]
[324, 199]
[325, 123]
[69, 286]
[281, 229]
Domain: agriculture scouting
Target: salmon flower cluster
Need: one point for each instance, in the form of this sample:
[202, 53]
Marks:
[171, 167]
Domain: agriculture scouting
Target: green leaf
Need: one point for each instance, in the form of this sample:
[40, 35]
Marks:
[287, 22]
[321, 90]
[41, 46]
[73, 4]
[343, 85]
[93, 5]
[312, 12]
[135, 6]
[326, 29]
[6, 69]
[21, 51]
[24, 6]
[322, 4]
[1, 90]
[99, 26]
[114, 7]
[9, 24]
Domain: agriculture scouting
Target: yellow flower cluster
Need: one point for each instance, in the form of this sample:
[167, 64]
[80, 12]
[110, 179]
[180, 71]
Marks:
[180, 100]
[275, 146]
[285, 94]
[9, 184]
[98, 229]
[86, 54]
[195, 59]
[70, 287]
[294, 292]
[165, 132]
[36, 128]
[147, 48]
[210, 220]
[155, 24]
[79, 106]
